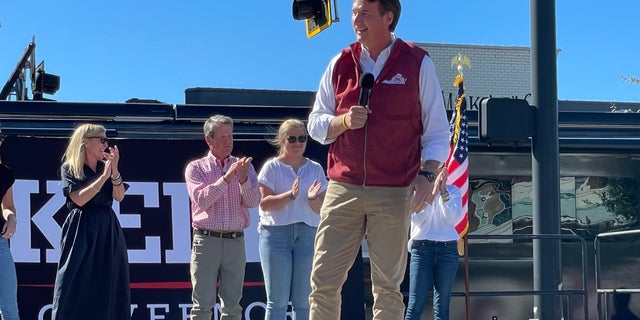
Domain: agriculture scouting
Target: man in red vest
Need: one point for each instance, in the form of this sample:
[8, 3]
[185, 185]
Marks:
[385, 148]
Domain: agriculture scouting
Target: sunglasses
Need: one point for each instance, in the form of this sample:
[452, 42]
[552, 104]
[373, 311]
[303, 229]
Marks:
[103, 140]
[301, 139]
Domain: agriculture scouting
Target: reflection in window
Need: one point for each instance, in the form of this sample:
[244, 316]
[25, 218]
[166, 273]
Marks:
[619, 198]
[490, 206]
[589, 205]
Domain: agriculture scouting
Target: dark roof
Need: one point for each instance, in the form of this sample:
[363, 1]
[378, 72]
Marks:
[583, 125]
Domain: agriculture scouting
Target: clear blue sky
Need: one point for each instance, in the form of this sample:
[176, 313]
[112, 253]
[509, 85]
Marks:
[110, 51]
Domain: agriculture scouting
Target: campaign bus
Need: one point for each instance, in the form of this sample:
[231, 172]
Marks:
[599, 182]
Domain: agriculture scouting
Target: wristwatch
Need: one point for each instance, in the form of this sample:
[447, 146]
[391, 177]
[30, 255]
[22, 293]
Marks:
[428, 174]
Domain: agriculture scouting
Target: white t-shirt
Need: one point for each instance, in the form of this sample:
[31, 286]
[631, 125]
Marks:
[279, 177]
[437, 222]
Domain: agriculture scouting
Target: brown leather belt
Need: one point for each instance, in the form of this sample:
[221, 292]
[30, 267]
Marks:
[218, 234]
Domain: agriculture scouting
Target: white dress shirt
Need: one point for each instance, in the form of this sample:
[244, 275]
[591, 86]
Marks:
[437, 222]
[435, 137]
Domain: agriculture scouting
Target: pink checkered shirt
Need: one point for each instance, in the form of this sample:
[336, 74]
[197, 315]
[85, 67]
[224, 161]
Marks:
[215, 204]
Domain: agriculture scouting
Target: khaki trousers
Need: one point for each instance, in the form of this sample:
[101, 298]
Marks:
[348, 213]
[213, 259]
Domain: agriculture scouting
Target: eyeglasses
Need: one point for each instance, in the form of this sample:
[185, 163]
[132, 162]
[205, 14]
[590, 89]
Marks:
[301, 139]
[103, 140]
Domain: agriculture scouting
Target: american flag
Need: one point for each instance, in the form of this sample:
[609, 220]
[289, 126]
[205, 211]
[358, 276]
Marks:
[457, 163]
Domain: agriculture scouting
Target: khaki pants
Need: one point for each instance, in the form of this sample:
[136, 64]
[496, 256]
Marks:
[348, 213]
[213, 258]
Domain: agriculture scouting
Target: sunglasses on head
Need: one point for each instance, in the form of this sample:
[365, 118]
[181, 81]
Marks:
[301, 139]
[103, 140]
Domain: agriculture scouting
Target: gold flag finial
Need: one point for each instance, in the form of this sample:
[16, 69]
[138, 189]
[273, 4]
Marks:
[459, 61]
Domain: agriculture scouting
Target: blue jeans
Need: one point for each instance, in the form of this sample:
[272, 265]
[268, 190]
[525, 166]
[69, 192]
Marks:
[8, 283]
[286, 253]
[433, 265]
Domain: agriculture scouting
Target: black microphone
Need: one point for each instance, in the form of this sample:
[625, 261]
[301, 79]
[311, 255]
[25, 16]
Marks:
[366, 83]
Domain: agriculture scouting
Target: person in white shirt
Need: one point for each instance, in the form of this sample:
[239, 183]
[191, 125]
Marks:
[433, 248]
[292, 188]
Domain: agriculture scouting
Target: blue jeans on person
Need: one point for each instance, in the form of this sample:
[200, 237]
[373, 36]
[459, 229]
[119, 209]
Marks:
[286, 254]
[8, 283]
[433, 266]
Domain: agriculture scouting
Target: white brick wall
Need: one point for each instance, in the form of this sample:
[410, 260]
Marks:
[499, 71]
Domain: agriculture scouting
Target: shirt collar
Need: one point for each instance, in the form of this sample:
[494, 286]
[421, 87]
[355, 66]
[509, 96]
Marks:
[219, 162]
[383, 54]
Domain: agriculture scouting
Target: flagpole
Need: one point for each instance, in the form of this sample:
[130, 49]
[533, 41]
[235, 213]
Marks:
[466, 276]
[463, 239]
[457, 164]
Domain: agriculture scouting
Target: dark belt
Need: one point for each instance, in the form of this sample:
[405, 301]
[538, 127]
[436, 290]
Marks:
[442, 243]
[218, 234]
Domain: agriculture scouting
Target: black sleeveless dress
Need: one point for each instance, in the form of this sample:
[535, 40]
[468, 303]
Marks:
[6, 181]
[92, 280]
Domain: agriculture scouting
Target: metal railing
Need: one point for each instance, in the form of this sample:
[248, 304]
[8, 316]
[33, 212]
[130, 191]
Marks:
[583, 291]
[606, 291]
